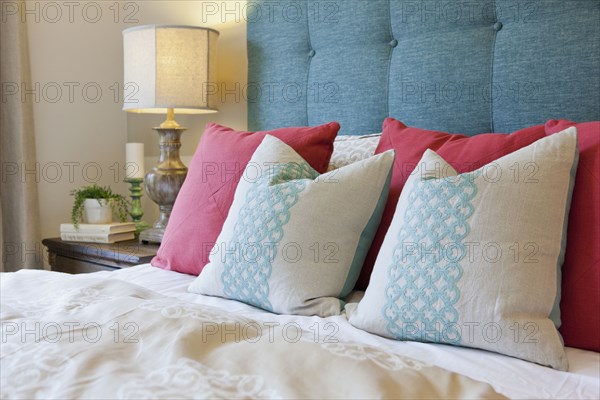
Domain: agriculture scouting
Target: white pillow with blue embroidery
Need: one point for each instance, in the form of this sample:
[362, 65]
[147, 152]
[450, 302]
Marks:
[471, 259]
[294, 241]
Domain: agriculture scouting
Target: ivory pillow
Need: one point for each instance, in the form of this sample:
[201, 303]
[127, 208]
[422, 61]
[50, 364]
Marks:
[294, 241]
[471, 259]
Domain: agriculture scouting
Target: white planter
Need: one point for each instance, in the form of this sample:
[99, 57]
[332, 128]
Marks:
[97, 211]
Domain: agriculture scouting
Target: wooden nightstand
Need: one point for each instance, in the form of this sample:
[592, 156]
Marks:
[80, 257]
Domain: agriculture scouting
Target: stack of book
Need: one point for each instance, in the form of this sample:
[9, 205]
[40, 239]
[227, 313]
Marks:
[98, 233]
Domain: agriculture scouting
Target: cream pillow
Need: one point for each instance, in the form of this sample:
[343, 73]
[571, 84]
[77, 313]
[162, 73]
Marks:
[294, 241]
[471, 259]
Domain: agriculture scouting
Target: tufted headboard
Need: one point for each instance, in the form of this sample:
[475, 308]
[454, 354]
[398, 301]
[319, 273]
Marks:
[467, 66]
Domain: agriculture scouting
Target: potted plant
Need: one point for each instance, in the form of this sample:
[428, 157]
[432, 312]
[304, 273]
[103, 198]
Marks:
[99, 204]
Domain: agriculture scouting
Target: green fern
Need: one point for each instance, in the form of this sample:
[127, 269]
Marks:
[118, 204]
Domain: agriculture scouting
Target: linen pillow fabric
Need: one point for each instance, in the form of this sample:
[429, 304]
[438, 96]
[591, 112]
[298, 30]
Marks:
[464, 153]
[580, 299]
[470, 259]
[348, 149]
[206, 195]
[287, 245]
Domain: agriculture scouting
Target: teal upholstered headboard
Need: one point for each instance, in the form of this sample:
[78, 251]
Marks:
[467, 66]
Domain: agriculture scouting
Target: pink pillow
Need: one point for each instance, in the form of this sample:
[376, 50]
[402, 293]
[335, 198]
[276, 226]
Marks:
[462, 152]
[207, 193]
[580, 298]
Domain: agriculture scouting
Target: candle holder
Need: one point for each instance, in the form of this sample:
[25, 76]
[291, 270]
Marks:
[136, 211]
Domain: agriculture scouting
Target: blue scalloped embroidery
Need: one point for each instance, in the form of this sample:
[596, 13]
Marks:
[259, 229]
[422, 280]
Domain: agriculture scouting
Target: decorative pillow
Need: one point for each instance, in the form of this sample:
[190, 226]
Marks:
[580, 300]
[470, 259]
[206, 195]
[464, 153]
[294, 241]
[348, 149]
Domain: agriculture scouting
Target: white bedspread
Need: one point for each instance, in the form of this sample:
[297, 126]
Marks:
[366, 358]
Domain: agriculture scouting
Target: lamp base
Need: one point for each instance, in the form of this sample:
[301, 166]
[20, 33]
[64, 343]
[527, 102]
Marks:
[152, 235]
[155, 234]
[162, 183]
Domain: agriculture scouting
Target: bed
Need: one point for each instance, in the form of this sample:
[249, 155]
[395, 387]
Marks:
[469, 68]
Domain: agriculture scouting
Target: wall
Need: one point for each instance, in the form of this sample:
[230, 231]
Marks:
[77, 72]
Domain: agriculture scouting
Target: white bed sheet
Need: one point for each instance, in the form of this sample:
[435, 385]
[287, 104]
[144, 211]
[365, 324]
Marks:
[509, 376]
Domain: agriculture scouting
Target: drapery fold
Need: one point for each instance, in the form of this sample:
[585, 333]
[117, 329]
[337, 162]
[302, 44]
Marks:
[19, 216]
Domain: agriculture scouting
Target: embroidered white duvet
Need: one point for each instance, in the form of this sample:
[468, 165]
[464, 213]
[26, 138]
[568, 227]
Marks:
[100, 336]
[75, 338]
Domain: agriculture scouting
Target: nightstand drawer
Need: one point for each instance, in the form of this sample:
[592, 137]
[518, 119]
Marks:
[74, 266]
[80, 257]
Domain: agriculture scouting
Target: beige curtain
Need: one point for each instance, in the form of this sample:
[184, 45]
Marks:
[20, 235]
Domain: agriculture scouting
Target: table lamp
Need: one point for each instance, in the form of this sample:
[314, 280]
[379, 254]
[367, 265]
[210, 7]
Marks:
[167, 70]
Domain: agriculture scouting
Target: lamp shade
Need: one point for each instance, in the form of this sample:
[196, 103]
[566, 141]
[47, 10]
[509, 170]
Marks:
[169, 66]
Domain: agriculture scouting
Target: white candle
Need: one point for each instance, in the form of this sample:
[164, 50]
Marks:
[134, 160]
